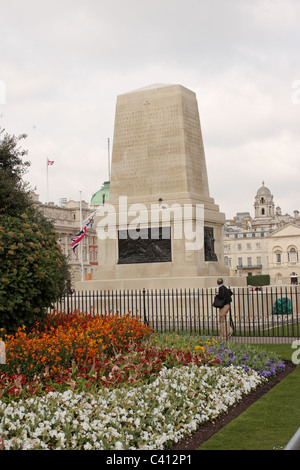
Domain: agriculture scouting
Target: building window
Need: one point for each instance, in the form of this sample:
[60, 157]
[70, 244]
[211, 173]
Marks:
[278, 257]
[258, 261]
[249, 261]
[227, 261]
[258, 246]
[248, 246]
[240, 262]
[292, 255]
[239, 247]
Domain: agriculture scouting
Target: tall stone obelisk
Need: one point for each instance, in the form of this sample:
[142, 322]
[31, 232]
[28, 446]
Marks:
[157, 147]
[158, 161]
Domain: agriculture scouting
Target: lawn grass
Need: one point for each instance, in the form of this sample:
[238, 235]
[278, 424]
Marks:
[269, 423]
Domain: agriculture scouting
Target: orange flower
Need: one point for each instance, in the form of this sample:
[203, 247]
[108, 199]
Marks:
[74, 336]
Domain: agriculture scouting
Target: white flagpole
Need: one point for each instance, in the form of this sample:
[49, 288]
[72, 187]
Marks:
[108, 160]
[89, 217]
[81, 244]
[47, 181]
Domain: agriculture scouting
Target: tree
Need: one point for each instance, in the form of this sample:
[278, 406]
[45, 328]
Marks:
[14, 192]
[33, 270]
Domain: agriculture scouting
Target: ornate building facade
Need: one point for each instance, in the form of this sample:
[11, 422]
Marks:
[66, 219]
[269, 243]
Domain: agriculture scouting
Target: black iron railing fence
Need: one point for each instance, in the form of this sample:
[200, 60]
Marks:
[267, 311]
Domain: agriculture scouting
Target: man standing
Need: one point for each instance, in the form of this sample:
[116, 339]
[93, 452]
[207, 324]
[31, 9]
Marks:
[225, 294]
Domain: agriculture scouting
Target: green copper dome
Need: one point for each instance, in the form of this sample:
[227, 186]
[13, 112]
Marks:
[102, 195]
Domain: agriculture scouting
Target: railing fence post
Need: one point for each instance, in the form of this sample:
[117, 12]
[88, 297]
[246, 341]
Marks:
[144, 307]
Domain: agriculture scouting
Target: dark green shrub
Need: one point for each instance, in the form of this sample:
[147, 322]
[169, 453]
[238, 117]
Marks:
[258, 280]
[33, 270]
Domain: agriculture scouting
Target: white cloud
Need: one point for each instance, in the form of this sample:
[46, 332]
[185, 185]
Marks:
[64, 63]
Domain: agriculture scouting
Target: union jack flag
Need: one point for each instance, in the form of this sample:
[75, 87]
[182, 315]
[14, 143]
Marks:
[50, 162]
[79, 237]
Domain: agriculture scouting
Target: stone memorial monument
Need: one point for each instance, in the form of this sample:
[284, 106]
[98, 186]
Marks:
[160, 228]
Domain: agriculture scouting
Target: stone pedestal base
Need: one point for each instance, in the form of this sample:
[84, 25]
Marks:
[162, 283]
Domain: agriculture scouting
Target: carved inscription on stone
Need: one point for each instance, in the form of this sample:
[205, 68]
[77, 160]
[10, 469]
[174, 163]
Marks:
[158, 147]
[145, 246]
[149, 148]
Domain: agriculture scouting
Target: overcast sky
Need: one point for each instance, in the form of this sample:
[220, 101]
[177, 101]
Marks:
[63, 64]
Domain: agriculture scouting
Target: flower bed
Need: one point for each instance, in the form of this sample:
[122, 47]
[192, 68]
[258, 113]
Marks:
[248, 358]
[67, 337]
[150, 416]
[85, 352]
[108, 382]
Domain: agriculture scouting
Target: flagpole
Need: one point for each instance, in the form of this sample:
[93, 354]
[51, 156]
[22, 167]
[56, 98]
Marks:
[47, 181]
[89, 217]
[108, 159]
[81, 245]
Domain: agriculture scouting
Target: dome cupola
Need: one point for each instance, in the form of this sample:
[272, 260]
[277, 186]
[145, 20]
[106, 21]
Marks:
[263, 206]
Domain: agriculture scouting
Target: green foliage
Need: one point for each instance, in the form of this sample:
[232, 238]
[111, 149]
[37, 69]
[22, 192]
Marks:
[258, 280]
[14, 193]
[33, 270]
[11, 156]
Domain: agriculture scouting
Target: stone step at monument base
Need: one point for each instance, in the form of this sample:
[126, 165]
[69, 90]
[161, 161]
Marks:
[192, 282]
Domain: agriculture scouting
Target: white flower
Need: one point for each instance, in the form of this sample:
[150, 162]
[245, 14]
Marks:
[191, 396]
[137, 422]
[87, 446]
[118, 445]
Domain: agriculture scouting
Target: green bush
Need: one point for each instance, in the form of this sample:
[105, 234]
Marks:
[258, 280]
[33, 270]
